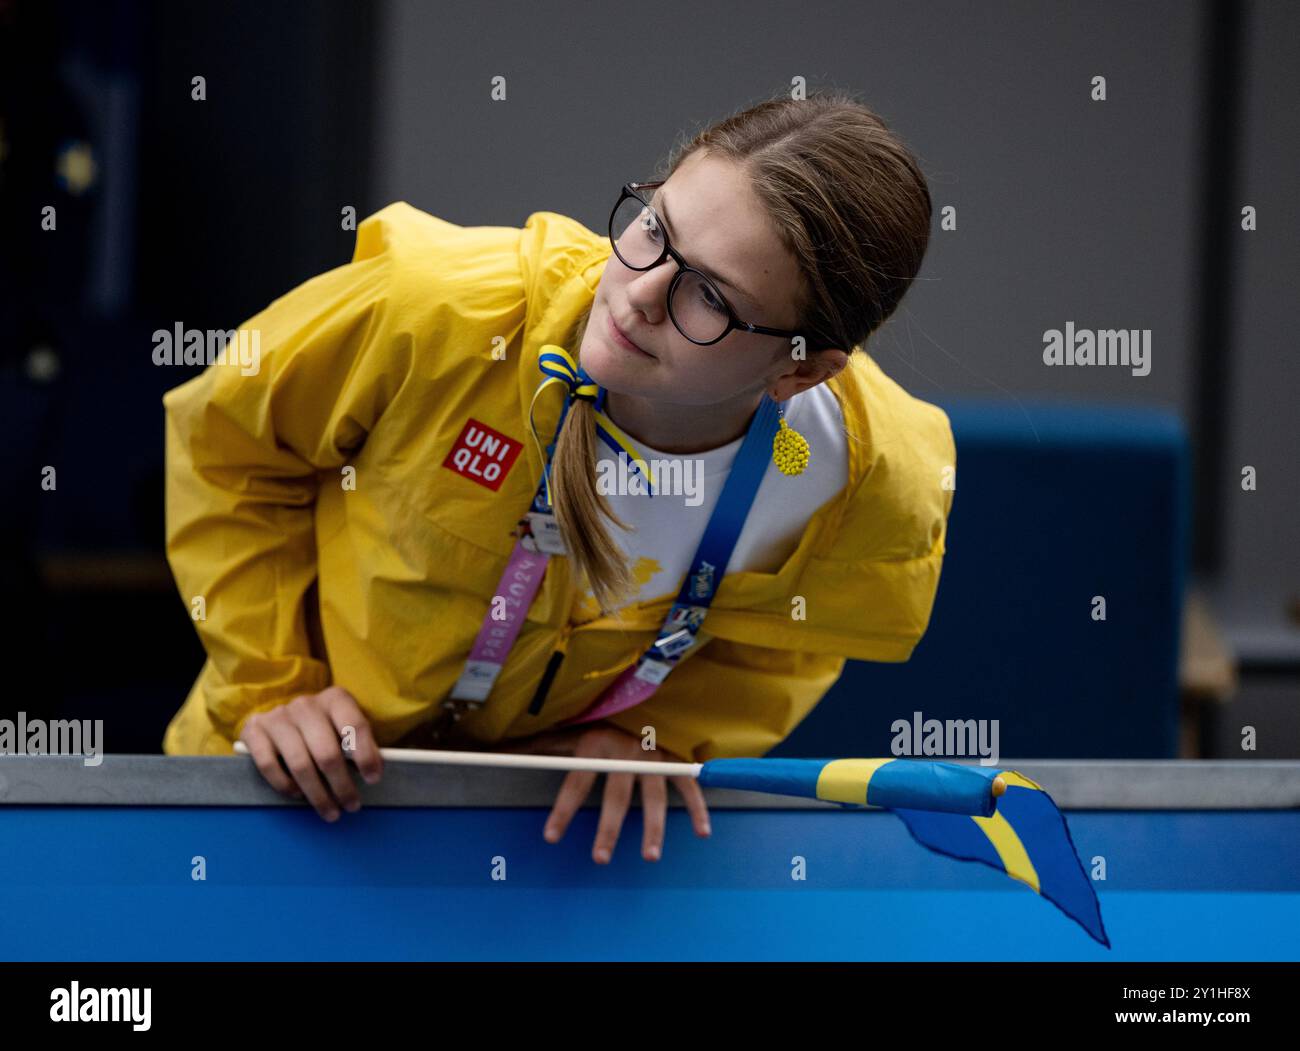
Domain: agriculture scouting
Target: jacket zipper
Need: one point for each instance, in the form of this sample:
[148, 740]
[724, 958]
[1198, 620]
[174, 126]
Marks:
[553, 666]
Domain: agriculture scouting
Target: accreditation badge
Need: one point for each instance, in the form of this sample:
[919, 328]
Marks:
[541, 534]
[653, 671]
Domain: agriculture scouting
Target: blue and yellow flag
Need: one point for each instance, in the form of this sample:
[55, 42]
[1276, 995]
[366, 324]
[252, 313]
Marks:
[1027, 838]
[923, 785]
[971, 813]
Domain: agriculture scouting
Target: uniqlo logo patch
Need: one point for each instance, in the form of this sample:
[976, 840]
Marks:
[482, 454]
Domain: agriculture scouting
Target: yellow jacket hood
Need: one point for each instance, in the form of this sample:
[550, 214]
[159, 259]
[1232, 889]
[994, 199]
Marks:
[319, 534]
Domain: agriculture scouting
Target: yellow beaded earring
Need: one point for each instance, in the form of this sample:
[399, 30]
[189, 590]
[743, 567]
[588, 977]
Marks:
[789, 448]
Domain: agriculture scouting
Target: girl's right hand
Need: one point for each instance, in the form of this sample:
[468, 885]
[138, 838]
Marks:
[305, 736]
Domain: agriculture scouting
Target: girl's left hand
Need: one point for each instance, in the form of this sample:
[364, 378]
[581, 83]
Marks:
[604, 741]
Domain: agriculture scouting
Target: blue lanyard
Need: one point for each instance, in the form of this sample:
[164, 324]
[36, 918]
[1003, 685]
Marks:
[709, 564]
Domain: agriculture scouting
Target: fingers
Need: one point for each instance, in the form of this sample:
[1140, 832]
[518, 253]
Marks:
[573, 793]
[306, 737]
[344, 712]
[654, 808]
[326, 751]
[288, 741]
[695, 805]
[613, 809]
[610, 742]
[267, 759]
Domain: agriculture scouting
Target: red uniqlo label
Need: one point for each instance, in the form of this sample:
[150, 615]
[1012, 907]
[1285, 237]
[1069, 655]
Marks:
[482, 454]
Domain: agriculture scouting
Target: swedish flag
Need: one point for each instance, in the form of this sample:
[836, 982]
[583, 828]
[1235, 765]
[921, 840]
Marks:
[1027, 838]
[971, 813]
[892, 783]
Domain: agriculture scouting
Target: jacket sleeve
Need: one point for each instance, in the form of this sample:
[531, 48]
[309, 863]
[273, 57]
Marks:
[245, 453]
[733, 699]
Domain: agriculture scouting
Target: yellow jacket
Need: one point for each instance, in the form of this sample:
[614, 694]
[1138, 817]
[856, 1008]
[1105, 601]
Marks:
[309, 507]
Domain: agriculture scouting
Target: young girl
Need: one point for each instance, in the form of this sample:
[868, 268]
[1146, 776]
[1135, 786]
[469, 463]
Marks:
[407, 525]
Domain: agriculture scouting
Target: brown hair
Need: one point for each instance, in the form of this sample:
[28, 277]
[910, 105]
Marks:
[849, 203]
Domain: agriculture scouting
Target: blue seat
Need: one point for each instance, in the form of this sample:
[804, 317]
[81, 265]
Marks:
[1055, 503]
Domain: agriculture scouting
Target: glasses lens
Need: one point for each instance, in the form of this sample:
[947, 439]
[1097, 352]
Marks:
[636, 234]
[697, 308]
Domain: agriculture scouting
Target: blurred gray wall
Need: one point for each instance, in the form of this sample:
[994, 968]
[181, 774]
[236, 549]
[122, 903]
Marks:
[1067, 209]
[1262, 549]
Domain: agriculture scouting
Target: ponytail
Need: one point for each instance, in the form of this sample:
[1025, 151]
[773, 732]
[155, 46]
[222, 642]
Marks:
[595, 558]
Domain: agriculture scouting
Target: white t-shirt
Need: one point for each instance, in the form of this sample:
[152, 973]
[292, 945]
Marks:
[667, 527]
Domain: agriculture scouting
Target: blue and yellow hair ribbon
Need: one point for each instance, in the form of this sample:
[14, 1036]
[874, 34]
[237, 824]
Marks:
[559, 366]
[971, 813]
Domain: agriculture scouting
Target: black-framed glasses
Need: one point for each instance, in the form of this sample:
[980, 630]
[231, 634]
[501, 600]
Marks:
[699, 311]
